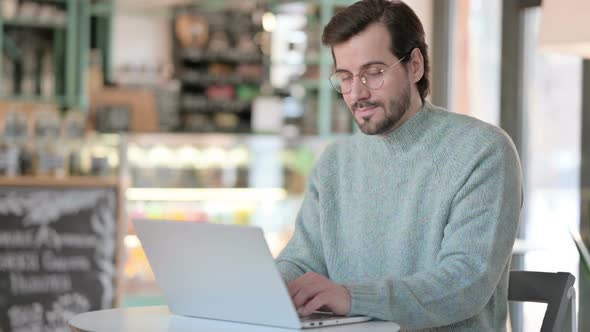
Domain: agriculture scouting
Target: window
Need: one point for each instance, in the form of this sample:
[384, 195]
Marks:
[475, 59]
[551, 158]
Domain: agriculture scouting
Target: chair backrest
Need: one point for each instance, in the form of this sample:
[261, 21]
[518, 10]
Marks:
[555, 289]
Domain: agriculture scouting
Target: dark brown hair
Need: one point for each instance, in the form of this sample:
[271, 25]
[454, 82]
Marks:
[404, 27]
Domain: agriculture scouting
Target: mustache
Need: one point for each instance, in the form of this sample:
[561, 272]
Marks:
[365, 104]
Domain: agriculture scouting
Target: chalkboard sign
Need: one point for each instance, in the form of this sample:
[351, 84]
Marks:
[57, 255]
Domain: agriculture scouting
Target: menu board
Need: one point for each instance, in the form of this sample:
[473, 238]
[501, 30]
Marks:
[57, 255]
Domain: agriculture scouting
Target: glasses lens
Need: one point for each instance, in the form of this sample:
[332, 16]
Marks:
[336, 80]
[373, 78]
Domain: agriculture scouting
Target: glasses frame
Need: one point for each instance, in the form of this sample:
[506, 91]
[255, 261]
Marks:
[364, 79]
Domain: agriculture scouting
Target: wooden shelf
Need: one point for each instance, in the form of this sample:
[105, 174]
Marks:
[33, 23]
[57, 100]
[48, 181]
[205, 194]
[200, 104]
[203, 79]
[231, 55]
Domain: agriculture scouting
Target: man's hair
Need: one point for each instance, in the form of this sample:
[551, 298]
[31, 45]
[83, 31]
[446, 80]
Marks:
[404, 27]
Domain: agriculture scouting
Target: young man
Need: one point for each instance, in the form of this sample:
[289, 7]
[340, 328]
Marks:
[414, 220]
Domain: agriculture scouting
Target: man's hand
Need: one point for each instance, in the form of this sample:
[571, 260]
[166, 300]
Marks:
[313, 291]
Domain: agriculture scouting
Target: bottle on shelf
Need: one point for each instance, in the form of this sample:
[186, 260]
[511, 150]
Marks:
[49, 157]
[72, 132]
[103, 158]
[13, 136]
[7, 77]
[29, 71]
[47, 74]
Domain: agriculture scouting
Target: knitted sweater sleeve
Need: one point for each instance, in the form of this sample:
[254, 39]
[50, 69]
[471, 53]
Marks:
[476, 249]
[304, 252]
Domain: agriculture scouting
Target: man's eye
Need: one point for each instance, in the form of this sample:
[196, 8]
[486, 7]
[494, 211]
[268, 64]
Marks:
[373, 71]
[346, 78]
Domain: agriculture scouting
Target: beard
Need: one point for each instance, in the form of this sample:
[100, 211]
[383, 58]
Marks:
[392, 114]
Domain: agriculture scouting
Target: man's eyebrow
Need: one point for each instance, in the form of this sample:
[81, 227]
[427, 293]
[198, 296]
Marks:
[368, 64]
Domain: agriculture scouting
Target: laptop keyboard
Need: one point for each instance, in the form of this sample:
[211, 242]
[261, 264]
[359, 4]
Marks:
[318, 316]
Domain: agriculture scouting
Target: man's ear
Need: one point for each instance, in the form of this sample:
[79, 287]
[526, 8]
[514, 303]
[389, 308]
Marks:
[416, 65]
[333, 57]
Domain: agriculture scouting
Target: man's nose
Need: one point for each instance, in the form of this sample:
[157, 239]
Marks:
[358, 90]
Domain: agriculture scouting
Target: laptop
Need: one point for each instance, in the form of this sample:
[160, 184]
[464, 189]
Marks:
[222, 272]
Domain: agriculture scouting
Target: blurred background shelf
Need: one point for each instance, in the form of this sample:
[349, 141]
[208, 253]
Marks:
[30, 22]
[47, 46]
[230, 55]
[206, 194]
[51, 181]
[57, 100]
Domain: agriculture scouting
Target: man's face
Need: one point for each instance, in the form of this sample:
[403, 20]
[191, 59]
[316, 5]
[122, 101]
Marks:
[376, 111]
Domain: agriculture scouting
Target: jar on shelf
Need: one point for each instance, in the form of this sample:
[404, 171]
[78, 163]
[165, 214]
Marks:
[72, 132]
[7, 76]
[11, 141]
[103, 157]
[50, 155]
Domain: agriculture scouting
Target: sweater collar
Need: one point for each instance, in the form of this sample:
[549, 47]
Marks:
[408, 134]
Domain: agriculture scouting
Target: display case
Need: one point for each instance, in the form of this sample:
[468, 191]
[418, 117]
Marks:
[221, 66]
[302, 65]
[254, 180]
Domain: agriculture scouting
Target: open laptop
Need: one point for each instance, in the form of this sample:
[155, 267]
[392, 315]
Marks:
[222, 272]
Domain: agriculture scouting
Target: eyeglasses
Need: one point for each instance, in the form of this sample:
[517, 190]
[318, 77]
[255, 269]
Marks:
[371, 77]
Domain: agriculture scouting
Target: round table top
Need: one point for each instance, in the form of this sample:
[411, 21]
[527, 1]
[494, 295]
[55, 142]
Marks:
[159, 319]
[522, 247]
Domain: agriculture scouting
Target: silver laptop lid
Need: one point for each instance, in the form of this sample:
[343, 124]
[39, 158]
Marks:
[217, 271]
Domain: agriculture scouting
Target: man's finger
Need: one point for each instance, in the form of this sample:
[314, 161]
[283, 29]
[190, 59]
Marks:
[301, 282]
[314, 304]
[306, 293]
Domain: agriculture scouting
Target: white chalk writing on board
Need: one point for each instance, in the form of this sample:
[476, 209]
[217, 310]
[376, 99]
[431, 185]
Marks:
[26, 317]
[45, 236]
[29, 317]
[19, 261]
[16, 239]
[53, 262]
[47, 206]
[21, 284]
[39, 210]
[65, 308]
[40, 255]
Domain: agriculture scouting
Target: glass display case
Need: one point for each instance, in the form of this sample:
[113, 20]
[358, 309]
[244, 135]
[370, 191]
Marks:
[254, 180]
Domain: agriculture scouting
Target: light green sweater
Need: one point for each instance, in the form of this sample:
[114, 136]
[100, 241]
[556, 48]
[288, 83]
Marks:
[418, 225]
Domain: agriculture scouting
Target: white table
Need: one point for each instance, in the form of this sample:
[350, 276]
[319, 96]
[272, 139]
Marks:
[522, 247]
[160, 319]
